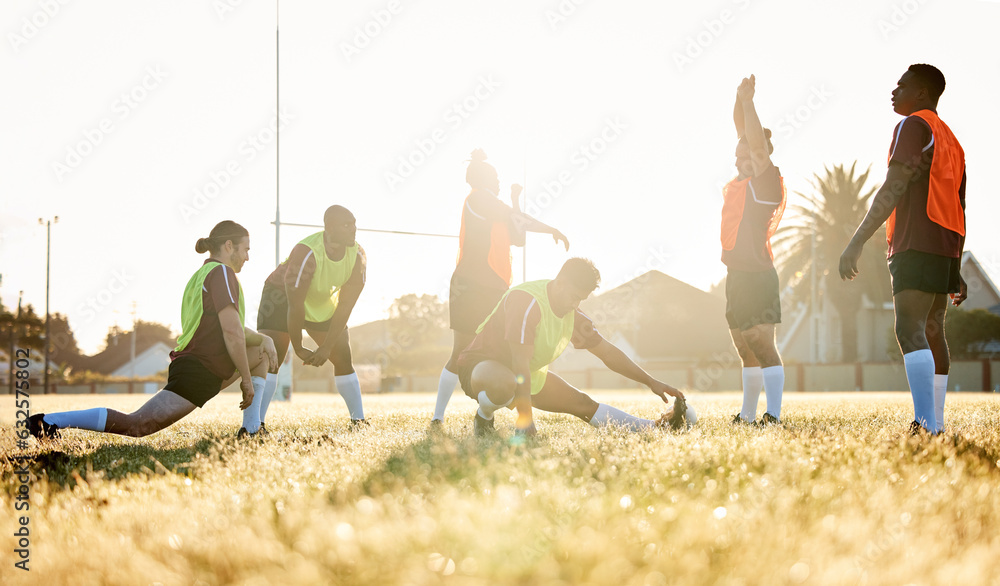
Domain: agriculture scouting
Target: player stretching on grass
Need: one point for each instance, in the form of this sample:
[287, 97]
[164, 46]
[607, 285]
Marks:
[213, 344]
[754, 202]
[534, 322]
[483, 274]
[922, 204]
[315, 289]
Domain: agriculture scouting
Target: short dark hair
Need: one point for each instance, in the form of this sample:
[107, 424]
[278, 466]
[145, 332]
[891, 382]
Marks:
[223, 232]
[332, 212]
[581, 273]
[930, 78]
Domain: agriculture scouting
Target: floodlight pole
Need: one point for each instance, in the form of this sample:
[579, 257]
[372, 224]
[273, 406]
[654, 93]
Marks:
[48, 249]
[277, 141]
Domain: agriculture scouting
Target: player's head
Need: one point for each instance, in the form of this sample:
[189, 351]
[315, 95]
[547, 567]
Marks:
[918, 89]
[744, 165]
[482, 175]
[339, 226]
[576, 280]
[228, 242]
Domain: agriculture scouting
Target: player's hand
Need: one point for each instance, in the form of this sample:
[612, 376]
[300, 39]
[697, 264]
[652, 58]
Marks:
[319, 357]
[272, 354]
[303, 354]
[246, 387]
[528, 431]
[963, 292]
[661, 390]
[746, 90]
[557, 236]
[849, 262]
[515, 190]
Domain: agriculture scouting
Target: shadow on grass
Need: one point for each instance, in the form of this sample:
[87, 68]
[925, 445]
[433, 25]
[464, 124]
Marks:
[76, 462]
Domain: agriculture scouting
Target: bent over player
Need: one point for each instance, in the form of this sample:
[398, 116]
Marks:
[508, 361]
[213, 351]
[483, 272]
[315, 289]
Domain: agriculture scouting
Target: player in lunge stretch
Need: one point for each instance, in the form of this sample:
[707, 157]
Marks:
[922, 204]
[752, 207]
[315, 289]
[483, 274]
[213, 351]
[507, 362]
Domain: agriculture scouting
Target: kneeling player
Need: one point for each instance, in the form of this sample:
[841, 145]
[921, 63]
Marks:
[213, 350]
[533, 323]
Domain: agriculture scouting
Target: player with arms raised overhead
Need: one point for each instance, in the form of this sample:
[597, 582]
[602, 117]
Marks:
[752, 207]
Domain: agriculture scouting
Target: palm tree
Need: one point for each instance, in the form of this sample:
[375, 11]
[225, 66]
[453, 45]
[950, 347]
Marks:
[832, 213]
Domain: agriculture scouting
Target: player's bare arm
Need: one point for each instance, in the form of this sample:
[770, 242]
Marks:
[495, 210]
[254, 338]
[297, 280]
[884, 202]
[754, 130]
[232, 334]
[347, 298]
[520, 360]
[619, 362]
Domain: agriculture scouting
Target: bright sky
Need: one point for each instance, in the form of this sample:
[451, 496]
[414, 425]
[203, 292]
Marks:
[143, 124]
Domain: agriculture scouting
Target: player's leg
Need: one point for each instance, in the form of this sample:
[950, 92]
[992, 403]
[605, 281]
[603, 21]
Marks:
[942, 359]
[760, 339]
[281, 342]
[558, 396]
[493, 386]
[258, 363]
[344, 377]
[912, 309]
[449, 374]
[753, 379]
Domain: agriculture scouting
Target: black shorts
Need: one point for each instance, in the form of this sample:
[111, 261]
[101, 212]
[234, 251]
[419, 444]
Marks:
[470, 302]
[752, 299]
[188, 378]
[272, 313]
[923, 271]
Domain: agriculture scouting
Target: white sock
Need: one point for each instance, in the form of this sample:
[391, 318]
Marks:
[446, 387]
[90, 419]
[753, 384]
[270, 384]
[251, 415]
[606, 414]
[920, 375]
[774, 385]
[486, 407]
[940, 389]
[349, 388]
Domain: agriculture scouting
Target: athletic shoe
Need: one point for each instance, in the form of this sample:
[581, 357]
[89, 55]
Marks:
[917, 429]
[357, 424]
[41, 430]
[738, 420]
[767, 419]
[483, 427]
[436, 426]
[263, 430]
[243, 433]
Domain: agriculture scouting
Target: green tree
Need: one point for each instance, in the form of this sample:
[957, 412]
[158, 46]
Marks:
[831, 213]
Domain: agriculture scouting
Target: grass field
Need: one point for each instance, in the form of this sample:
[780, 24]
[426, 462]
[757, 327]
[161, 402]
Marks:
[839, 495]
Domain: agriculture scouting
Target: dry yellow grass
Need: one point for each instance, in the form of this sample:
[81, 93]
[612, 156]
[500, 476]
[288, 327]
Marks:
[840, 495]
